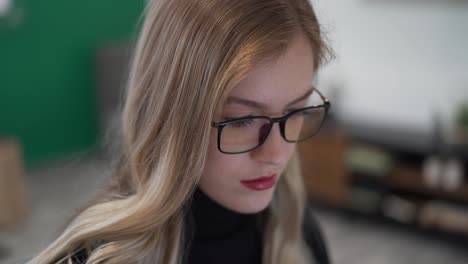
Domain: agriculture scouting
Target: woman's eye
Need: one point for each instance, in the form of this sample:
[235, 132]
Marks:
[242, 123]
[290, 110]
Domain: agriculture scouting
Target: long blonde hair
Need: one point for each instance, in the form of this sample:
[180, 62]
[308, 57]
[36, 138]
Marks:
[190, 53]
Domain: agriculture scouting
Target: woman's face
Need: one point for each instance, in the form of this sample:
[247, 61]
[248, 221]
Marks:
[268, 90]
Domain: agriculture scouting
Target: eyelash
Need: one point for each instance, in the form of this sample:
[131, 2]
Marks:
[242, 123]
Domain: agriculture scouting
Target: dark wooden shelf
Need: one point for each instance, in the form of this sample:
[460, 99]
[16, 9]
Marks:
[410, 180]
[408, 148]
[398, 139]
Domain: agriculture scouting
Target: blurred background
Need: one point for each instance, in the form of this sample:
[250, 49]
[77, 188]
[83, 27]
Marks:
[387, 176]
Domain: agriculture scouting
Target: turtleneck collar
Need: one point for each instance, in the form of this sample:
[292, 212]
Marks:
[217, 234]
[214, 221]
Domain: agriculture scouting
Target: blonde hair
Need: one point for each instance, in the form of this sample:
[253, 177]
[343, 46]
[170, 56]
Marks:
[189, 55]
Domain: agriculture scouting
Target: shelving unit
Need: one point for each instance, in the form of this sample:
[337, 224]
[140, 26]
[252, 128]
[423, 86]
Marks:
[397, 195]
[410, 180]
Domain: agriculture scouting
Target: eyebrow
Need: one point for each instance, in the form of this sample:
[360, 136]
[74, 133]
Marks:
[257, 105]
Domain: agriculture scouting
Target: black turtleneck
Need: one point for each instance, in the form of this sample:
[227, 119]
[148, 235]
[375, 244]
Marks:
[216, 234]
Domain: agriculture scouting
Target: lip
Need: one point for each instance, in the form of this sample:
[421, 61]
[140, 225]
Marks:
[260, 183]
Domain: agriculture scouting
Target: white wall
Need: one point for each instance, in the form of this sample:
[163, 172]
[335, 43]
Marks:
[397, 62]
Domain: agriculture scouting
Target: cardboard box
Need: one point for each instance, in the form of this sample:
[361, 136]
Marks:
[12, 188]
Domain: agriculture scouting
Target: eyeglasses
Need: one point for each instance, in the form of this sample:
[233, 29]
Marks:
[245, 134]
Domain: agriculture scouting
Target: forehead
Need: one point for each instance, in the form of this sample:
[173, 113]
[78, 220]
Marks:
[276, 82]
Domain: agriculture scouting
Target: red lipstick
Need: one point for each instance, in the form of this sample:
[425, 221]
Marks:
[261, 183]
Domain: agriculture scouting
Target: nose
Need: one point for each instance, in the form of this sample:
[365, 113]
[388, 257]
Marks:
[274, 150]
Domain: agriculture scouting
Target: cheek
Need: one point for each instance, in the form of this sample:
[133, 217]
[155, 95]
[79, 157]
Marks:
[291, 149]
[219, 167]
[221, 175]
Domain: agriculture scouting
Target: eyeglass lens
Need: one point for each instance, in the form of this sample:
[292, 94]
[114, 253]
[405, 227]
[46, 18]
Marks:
[246, 134]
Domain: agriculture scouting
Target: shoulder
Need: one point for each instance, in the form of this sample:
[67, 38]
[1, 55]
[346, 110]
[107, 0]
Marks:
[314, 238]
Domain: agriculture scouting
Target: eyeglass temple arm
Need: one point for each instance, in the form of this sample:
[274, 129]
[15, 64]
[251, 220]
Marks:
[325, 99]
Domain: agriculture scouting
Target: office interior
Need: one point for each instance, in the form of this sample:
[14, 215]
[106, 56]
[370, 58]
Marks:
[387, 176]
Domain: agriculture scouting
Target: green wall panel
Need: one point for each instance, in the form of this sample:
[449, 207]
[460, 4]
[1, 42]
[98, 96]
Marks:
[47, 65]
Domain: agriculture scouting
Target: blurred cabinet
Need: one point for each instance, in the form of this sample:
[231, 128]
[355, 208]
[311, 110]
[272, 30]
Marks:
[322, 160]
[378, 173]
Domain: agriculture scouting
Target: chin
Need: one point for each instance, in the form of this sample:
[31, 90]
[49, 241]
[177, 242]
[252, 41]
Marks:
[254, 203]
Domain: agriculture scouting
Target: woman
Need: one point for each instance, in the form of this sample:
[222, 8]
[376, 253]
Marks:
[217, 97]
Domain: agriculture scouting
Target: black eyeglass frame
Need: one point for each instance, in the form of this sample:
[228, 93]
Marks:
[281, 120]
